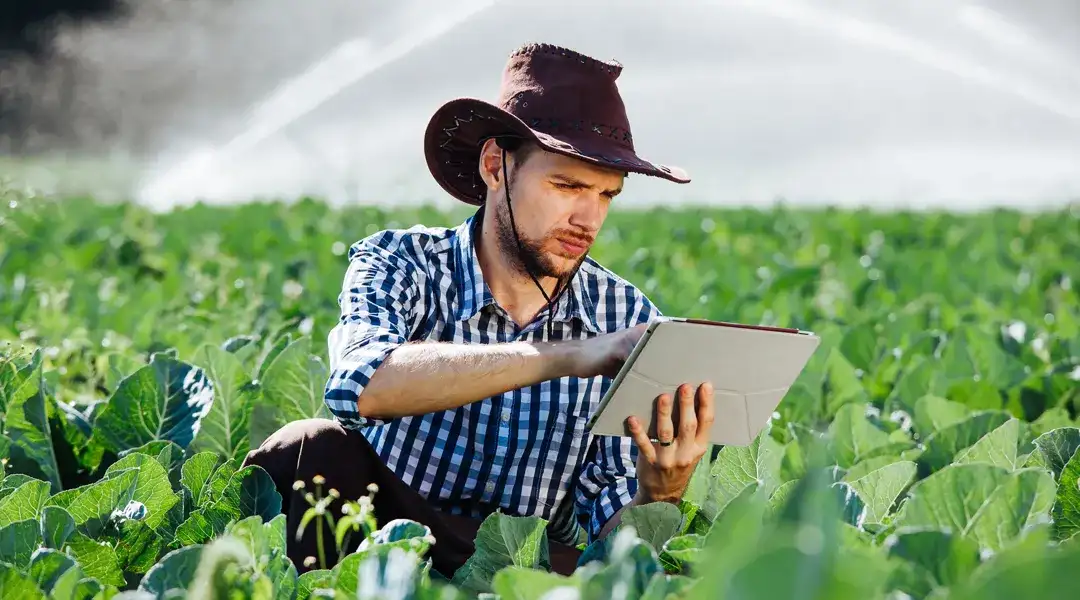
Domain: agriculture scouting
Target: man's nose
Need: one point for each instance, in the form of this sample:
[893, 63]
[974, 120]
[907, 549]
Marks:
[588, 213]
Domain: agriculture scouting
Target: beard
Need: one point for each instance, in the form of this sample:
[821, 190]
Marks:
[530, 257]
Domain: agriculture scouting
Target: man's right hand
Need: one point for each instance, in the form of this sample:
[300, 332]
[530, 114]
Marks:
[605, 354]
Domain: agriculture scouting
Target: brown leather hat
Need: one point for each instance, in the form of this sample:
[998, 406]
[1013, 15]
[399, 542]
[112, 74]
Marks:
[563, 100]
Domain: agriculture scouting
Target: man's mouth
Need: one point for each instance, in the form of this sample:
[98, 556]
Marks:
[575, 246]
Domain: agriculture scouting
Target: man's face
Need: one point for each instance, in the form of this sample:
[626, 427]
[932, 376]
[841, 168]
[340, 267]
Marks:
[559, 203]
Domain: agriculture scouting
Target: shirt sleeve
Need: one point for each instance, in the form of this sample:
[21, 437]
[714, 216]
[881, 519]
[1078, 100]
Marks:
[380, 300]
[608, 480]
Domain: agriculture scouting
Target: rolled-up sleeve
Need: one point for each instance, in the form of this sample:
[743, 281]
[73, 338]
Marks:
[608, 480]
[380, 300]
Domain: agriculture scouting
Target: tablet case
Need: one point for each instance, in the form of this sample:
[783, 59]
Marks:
[751, 369]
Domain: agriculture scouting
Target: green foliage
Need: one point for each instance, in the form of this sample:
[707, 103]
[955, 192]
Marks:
[928, 450]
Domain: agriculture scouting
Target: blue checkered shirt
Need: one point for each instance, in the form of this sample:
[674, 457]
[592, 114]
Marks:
[525, 452]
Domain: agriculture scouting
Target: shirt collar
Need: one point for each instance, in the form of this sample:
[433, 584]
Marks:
[473, 293]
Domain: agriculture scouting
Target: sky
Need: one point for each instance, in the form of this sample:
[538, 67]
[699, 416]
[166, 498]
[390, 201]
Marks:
[944, 103]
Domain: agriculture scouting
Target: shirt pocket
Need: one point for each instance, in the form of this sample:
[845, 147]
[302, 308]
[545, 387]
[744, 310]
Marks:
[568, 429]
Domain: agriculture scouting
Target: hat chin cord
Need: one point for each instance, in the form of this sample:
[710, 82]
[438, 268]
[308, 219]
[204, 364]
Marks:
[521, 250]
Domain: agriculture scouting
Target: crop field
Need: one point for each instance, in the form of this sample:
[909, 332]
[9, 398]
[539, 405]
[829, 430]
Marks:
[929, 450]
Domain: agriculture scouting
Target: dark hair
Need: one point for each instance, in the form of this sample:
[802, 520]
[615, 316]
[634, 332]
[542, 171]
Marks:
[520, 149]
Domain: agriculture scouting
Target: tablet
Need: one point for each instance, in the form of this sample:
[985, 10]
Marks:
[751, 368]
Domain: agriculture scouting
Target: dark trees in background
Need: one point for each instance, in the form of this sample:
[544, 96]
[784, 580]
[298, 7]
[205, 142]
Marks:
[27, 26]
[36, 83]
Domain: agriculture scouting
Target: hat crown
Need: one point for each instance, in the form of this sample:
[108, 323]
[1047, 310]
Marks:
[562, 92]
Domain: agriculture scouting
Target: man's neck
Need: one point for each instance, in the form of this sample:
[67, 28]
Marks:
[514, 290]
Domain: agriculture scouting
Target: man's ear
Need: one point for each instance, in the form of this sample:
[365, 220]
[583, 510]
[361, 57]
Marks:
[491, 164]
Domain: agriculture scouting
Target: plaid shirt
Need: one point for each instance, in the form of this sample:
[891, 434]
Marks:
[525, 452]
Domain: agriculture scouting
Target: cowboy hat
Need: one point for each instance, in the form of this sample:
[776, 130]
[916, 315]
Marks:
[564, 101]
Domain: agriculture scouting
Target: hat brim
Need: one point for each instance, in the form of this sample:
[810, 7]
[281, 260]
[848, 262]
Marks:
[455, 134]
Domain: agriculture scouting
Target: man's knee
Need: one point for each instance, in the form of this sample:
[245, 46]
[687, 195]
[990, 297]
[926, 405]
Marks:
[303, 430]
[280, 452]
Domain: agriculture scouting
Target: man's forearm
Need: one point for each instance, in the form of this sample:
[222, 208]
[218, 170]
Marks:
[428, 377]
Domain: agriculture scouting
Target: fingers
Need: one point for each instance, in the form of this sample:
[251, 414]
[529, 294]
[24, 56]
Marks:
[688, 422]
[665, 429]
[644, 444]
[705, 412]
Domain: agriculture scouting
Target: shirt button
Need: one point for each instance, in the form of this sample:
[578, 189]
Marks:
[490, 487]
[506, 416]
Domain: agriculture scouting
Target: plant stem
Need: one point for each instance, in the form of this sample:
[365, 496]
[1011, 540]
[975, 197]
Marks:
[318, 541]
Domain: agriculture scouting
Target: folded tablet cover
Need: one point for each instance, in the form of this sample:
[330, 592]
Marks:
[751, 369]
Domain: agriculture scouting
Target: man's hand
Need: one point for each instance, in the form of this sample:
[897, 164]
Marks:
[664, 468]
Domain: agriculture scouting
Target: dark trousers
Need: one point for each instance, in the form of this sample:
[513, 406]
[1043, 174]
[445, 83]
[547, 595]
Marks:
[344, 458]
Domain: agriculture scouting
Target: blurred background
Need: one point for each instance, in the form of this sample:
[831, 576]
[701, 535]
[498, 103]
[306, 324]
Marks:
[943, 103]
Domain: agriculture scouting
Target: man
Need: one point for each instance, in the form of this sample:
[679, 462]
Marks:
[467, 360]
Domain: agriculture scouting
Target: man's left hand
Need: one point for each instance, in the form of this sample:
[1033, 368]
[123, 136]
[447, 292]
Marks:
[664, 467]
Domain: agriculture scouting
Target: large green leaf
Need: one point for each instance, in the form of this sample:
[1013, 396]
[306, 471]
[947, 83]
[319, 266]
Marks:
[168, 454]
[879, 489]
[808, 450]
[18, 541]
[861, 346]
[989, 504]
[502, 541]
[174, 572]
[293, 387]
[94, 506]
[935, 559]
[922, 377]
[47, 566]
[806, 546]
[14, 584]
[663, 587]
[265, 543]
[380, 572]
[97, 560]
[313, 580]
[162, 401]
[202, 526]
[138, 546]
[24, 503]
[974, 355]
[219, 480]
[736, 467]
[249, 492]
[224, 429]
[1066, 510]
[1058, 447]
[655, 523]
[196, 474]
[152, 486]
[1025, 570]
[519, 583]
[742, 519]
[57, 525]
[406, 533]
[682, 552]
[865, 467]
[26, 425]
[843, 382]
[631, 565]
[933, 413]
[996, 448]
[853, 436]
[943, 445]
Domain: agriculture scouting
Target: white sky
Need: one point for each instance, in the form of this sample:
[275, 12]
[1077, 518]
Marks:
[902, 103]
